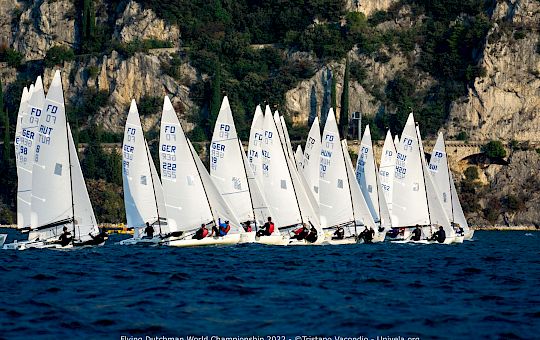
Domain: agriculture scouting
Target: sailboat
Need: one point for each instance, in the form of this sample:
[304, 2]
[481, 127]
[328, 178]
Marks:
[191, 197]
[415, 199]
[59, 196]
[368, 179]
[282, 186]
[442, 176]
[386, 169]
[337, 204]
[255, 142]
[234, 177]
[143, 192]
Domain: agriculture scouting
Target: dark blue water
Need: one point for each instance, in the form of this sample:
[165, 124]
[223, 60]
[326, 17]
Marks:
[488, 288]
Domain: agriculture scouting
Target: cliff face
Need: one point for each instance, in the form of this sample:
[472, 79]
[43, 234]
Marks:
[370, 6]
[505, 104]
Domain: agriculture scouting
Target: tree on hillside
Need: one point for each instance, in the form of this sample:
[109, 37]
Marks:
[5, 124]
[344, 115]
[215, 103]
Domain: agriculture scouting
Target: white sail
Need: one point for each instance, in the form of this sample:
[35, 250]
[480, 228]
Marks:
[459, 216]
[442, 176]
[226, 165]
[21, 156]
[362, 215]
[255, 142]
[261, 209]
[285, 134]
[298, 157]
[276, 178]
[29, 131]
[85, 221]
[387, 168]
[185, 198]
[335, 197]
[219, 207]
[312, 159]
[162, 227]
[56, 175]
[438, 167]
[396, 140]
[409, 203]
[139, 187]
[366, 174]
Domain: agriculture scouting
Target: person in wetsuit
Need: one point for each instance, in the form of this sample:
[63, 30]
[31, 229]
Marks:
[267, 229]
[201, 233]
[65, 238]
[439, 235]
[416, 234]
[312, 236]
[247, 227]
[149, 230]
[300, 233]
[339, 234]
[99, 238]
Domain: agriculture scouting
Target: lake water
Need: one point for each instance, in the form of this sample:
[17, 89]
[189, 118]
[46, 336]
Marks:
[487, 288]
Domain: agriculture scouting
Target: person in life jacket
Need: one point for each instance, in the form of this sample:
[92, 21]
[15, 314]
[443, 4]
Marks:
[300, 233]
[247, 227]
[149, 230]
[339, 234]
[416, 234]
[267, 229]
[367, 234]
[65, 238]
[201, 233]
[224, 228]
[439, 235]
[312, 236]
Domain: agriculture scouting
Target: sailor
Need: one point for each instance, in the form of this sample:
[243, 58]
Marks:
[300, 233]
[224, 228]
[339, 234]
[99, 238]
[267, 229]
[459, 230]
[149, 230]
[416, 234]
[201, 233]
[439, 235]
[65, 238]
[367, 234]
[247, 227]
[393, 233]
[312, 236]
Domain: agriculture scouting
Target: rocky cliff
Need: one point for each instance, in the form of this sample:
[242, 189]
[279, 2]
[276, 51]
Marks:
[505, 103]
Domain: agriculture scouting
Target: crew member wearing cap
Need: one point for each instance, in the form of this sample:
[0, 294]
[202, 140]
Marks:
[224, 228]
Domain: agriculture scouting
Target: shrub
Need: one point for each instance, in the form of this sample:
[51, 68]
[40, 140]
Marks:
[471, 174]
[12, 57]
[57, 55]
[462, 135]
[149, 105]
[494, 149]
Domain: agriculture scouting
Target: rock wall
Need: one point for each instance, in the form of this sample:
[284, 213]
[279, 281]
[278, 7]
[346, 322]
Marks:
[369, 7]
[505, 104]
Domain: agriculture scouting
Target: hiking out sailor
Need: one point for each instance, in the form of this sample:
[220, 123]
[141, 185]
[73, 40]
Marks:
[267, 229]
[247, 227]
[99, 238]
[312, 236]
[416, 234]
[393, 233]
[65, 238]
[224, 228]
[439, 235]
[201, 233]
[367, 234]
[339, 234]
[300, 233]
[149, 230]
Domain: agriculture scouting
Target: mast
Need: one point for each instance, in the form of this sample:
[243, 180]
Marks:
[349, 184]
[423, 174]
[376, 183]
[70, 181]
[290, 175]
[152, 179]
[247, 181]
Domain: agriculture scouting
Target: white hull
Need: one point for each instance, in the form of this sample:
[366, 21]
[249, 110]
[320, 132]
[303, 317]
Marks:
[140, 241]
[24, 245]
[448, 240]
[347, 240]
[273, 240]
[3, 238]
[207, 241]
[469, 235]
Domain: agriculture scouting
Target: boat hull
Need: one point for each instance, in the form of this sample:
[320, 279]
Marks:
[469, 235]
[24, 245]
[347, 240]
[207, 241]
